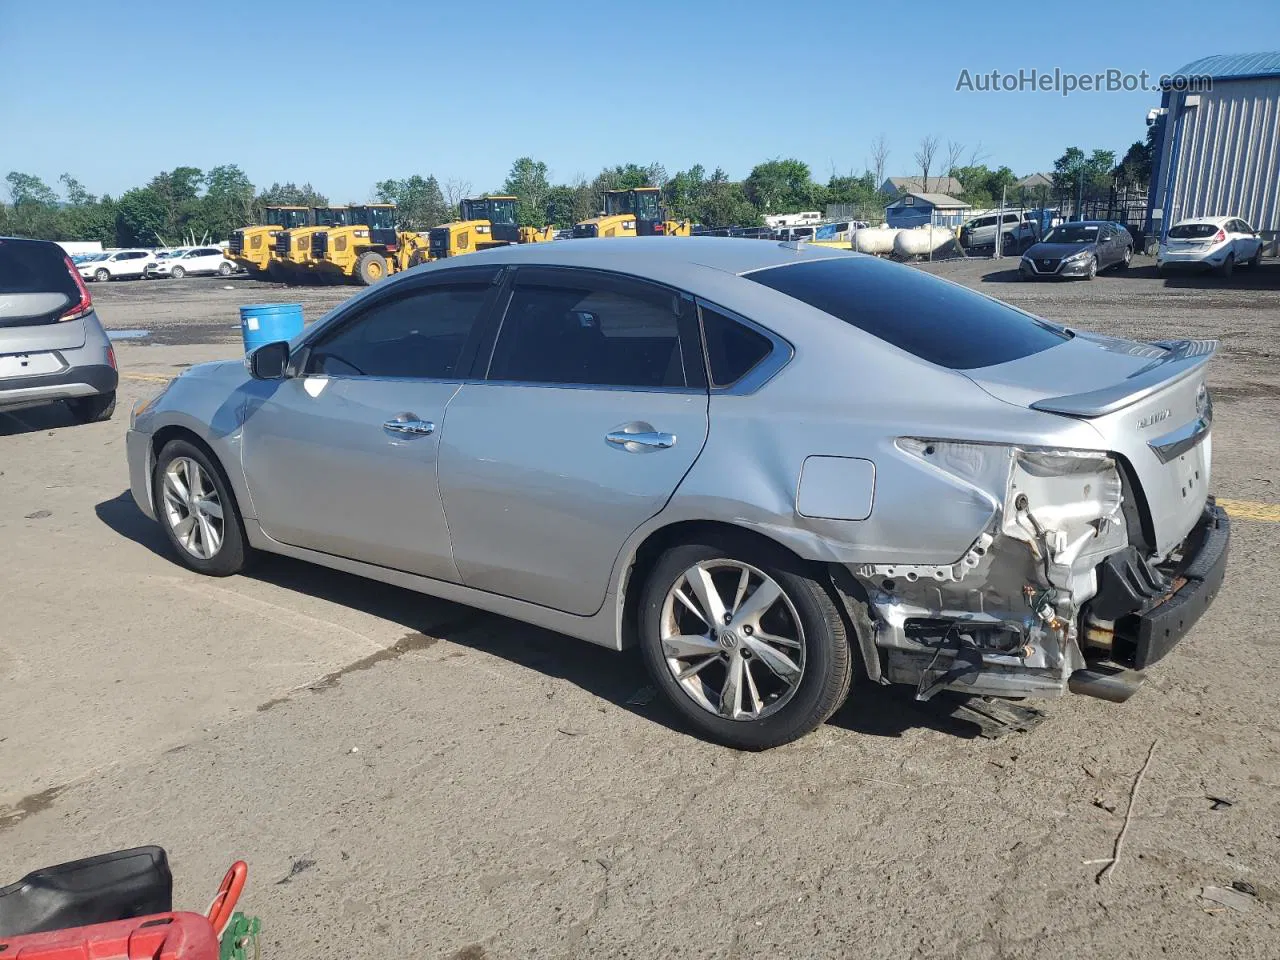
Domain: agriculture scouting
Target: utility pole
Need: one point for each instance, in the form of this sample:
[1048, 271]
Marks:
[999, 247]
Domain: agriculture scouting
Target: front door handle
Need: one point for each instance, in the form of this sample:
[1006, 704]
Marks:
[649, 438]
[410, 424]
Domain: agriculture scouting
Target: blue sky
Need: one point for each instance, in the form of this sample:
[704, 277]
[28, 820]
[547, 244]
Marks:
[342, 95]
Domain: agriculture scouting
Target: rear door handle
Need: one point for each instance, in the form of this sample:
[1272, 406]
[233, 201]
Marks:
[649, 438]
[410, 424]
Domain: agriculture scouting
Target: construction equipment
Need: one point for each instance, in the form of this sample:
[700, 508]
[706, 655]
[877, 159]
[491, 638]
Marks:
[633, 213]
[251, 247]
[482, 223]
[291, 258]
[368, 248]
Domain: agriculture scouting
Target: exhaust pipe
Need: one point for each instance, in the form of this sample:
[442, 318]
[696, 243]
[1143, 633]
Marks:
[1115, 687]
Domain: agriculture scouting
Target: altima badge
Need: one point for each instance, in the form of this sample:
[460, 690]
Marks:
[1154, 418]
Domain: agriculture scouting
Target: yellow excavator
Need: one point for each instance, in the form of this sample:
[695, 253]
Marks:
[483, 222]
[368, 248]
[633, 213]
[251, 247]
[291, 258]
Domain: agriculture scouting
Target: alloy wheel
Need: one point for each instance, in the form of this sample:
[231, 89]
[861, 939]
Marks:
[192, 508]
[732, 639]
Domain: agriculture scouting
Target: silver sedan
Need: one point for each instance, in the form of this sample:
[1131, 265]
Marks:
[777, 468]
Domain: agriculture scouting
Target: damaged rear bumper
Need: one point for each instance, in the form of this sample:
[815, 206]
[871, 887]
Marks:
[1051, 598]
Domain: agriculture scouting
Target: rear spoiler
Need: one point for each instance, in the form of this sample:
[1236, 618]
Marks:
[1183, 359]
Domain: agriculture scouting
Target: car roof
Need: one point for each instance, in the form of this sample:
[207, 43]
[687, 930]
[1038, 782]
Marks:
[1216, 221]
[644, 255]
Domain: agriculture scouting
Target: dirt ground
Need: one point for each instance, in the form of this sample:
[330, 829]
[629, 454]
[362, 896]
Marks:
[408, 777]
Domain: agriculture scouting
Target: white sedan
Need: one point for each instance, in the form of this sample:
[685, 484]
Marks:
[194, 261]
[1210, 243]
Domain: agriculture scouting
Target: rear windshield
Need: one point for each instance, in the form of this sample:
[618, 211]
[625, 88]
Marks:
[1193, 231]
[937, 321]
[35, 266]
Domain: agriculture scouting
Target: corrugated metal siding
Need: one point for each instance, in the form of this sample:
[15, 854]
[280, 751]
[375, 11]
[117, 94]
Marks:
[1229, 161]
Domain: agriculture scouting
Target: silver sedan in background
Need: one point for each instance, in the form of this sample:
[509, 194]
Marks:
[777, 469]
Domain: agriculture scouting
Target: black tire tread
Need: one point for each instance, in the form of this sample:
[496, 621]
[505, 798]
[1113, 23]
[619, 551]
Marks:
[235, 553]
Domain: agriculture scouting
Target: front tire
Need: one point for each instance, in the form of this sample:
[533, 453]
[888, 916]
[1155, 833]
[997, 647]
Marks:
[224, 269]
[177, 273]
[1093, 268]
[370, 268]
[747, 646]
[102, 276]
[198, 511]
[93, 409]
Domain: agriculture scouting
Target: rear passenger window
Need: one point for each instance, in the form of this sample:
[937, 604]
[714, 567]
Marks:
[733, 349]
[605, 333]
[419, 335]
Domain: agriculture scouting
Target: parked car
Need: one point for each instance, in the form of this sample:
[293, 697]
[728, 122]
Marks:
[664, 441]
[1020, 230]
[117, 265]
[52, 347]
[1210, 243]
[1082, 248]
[198, 260]
[149, 269]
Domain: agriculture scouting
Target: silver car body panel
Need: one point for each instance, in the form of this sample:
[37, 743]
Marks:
[965, 506]
[45, 362]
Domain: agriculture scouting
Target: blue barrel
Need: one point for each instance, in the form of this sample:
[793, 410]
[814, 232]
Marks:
[262, 323]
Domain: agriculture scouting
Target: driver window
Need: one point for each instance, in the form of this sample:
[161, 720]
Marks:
[420, 335]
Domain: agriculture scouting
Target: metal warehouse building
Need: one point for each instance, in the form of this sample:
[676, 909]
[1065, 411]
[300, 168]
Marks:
[1219, 144]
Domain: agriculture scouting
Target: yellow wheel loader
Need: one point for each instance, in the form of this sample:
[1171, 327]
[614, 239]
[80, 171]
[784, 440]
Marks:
[251, 247]
[483, 222]
[633, 213]
[367, 249]
[291, 259]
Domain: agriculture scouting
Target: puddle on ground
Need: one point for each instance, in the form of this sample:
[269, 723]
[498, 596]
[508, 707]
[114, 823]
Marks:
[35, 803]
[128, 334]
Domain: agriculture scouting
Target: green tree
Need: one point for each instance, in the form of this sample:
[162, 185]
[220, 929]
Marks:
[228, 200]
[726, 204]
[75, 192]
[1090, 174]
[528, 182]
[982, 186]
[289, 195]
[781, 186]
[419, 202]
[26, 188]
[142, 217]
[1135, 168]
[561, 206]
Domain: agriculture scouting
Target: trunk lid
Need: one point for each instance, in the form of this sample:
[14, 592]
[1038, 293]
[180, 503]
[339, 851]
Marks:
[1148, 403]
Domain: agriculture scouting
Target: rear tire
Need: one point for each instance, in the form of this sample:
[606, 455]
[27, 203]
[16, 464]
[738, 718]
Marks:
[1255, 259]
[177, 273]
[102, 276]
[92, 409]
[224, 269]
[1128, 258]
[370, 268]
[231, 552]
[803, 627]
[1228, 266]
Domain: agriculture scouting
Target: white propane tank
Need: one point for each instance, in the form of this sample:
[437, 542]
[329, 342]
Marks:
[877, 240]
[919, 241]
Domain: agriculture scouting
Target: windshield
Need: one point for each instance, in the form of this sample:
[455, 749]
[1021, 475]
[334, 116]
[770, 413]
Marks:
[1073, 233]
[377, 218]
[332, 216]
[618, 202]
[502, 212]
[1193, 231]
[286, 218]
[648, 206]
[943, 323]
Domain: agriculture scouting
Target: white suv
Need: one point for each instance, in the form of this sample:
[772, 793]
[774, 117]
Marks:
[114, 266]
[196, 260]
[1019, 231]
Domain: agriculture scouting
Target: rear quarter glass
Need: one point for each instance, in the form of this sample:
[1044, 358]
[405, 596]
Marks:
[943, 323]
[35, 266]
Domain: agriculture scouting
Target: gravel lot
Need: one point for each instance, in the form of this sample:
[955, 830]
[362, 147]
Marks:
[408, 777]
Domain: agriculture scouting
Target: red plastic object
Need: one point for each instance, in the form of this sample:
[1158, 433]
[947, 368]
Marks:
[162, 936]
[224, 901]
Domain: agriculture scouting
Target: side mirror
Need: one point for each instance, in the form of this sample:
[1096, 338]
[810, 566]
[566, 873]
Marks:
[268, 362]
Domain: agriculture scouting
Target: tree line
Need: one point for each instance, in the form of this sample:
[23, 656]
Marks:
[190, 205]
